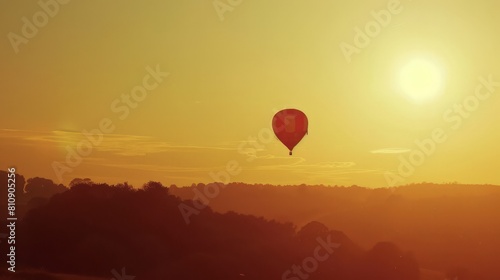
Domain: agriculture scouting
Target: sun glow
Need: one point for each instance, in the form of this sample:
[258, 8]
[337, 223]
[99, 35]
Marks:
[421, 80]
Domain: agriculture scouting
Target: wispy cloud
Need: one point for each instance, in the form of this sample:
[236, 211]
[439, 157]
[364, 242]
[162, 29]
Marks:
[160, 168]
[132, 153]
[391, 151]
[119, 144]
[299, 165]
[334, 170]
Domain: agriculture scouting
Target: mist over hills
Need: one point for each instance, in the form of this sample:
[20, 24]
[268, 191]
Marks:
[445, 225]
[257, 231]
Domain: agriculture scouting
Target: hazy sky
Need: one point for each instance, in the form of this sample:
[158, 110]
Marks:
[232, 65]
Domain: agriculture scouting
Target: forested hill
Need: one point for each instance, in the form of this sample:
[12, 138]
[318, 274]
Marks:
[447, 226]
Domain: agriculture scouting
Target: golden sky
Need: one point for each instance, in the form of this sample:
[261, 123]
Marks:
[424, 70]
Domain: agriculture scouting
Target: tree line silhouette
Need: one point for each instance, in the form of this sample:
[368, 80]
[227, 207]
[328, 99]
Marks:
[91, 228]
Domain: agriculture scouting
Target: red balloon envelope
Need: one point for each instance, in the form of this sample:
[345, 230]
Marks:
[290, 126]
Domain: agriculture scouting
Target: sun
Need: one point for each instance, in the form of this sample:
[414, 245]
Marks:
[421, 80]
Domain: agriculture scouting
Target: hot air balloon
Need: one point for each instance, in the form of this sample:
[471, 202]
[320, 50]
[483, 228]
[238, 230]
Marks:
[290, 126]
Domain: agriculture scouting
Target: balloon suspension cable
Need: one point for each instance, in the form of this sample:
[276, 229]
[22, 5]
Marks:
[290, 153]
